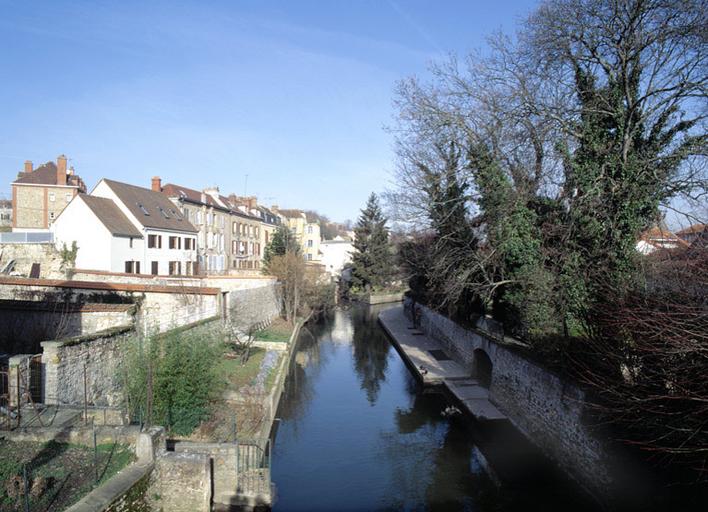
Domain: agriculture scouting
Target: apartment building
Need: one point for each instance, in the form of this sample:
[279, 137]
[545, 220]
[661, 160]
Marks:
[231, 229]
[210, 215]
[124, 228]
[40, 195]
[305, 229]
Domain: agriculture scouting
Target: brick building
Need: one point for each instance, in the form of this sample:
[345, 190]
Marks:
[40, 195]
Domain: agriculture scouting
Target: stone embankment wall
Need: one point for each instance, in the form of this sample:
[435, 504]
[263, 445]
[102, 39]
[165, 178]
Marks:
[254, 306]
[99, 354]
[49, 259]
[546, 408]
[160, 307]
[97, 357]
[26, 323]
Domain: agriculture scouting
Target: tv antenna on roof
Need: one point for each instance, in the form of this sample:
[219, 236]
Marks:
[245, 186]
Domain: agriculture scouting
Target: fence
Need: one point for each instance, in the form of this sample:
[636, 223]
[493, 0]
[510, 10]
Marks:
[253, 468]
[20, 392]
[27, 237]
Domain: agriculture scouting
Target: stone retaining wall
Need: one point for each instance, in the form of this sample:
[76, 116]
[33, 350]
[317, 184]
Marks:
[25, 255]
[181, 482]
[546, 408]
[99, 354]
[26, 323]
[224, 460]
[254, 306]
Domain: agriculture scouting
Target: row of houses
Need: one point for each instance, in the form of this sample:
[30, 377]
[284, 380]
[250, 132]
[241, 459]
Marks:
[163, 229]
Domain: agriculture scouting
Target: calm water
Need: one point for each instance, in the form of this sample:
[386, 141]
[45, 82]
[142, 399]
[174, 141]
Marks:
[357, 433]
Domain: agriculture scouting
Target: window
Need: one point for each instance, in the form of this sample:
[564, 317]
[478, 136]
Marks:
[309, 230]
[131, 242]
[198, 217]
[309, 257]
[143, 209]
[189, 268]
[52, 196]
[189, 244]
[309, 243]
[175, 268]
[132, 267]
[234, 227]
[51, 215]
[154, 268]
[175, 242]
[154, 241]
[163, 212]
[222, 222]
[68, 197]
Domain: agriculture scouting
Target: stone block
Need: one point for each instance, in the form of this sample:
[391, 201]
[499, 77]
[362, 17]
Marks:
[181, 482]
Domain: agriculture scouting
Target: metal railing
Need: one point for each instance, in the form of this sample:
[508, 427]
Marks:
[27, 237]
[253, 468]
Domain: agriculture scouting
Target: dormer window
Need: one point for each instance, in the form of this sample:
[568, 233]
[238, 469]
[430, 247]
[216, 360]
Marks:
[143, 209]
[163, 212]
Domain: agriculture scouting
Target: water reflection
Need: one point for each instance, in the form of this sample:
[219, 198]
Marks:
[371, 350]
[358, 433]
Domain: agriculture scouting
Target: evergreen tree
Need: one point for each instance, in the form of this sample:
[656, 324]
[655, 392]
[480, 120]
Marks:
[283, 241]
[371, 263]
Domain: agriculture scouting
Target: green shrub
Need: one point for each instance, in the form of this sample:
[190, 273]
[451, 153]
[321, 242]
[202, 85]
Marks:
[171, 380]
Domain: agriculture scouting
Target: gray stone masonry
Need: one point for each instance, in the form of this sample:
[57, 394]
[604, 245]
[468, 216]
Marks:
[547, 409]
[100, 355]
[181, 482]
[223, 458]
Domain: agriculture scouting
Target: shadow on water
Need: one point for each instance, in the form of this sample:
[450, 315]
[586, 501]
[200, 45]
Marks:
[357, 432]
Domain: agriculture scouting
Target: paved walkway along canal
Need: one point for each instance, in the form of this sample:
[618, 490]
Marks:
[358, 432]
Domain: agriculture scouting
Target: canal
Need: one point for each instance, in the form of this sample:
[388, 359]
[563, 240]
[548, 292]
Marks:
[356, 432]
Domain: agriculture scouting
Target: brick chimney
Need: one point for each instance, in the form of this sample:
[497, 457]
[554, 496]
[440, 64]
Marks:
[28, 166]
[156, 184]
[61, 170]
[251, 202]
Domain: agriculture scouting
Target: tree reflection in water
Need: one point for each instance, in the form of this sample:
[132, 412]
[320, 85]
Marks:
[359, 433]
[370, 351]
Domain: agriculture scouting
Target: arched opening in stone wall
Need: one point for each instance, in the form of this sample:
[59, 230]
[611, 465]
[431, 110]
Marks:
[482, 368]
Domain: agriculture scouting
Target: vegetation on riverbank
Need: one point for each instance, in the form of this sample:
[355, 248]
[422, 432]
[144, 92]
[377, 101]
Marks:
[306, 290]
[526, 178]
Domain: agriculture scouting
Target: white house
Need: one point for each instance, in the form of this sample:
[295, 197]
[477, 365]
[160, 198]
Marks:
[124, 228]
[335, 254]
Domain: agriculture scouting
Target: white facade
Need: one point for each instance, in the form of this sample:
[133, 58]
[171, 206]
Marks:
[335, 254]
[77, 223]
[150, 251]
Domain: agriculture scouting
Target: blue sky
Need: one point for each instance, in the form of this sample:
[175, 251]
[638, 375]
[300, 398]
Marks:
[294, 94]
